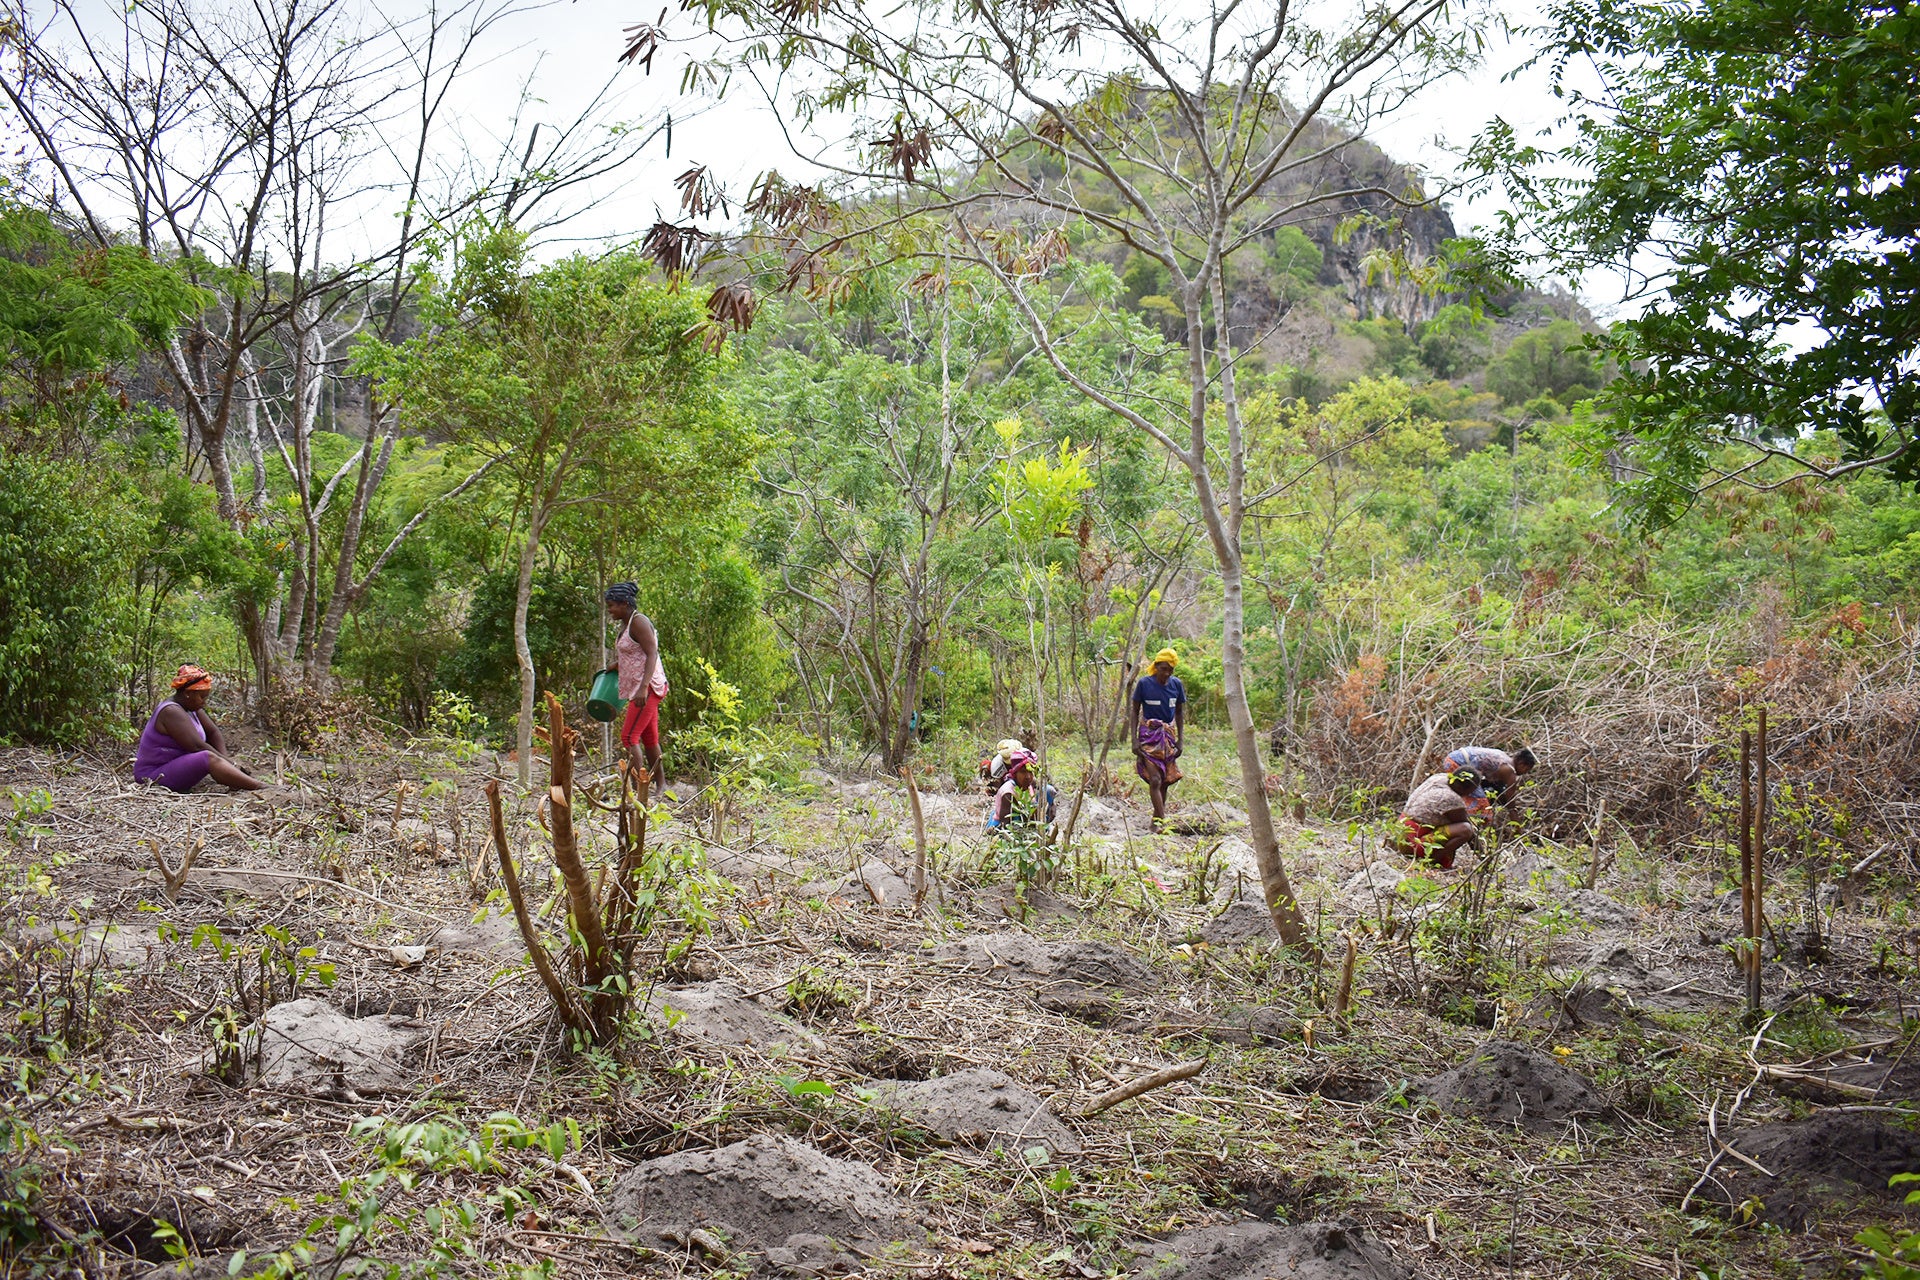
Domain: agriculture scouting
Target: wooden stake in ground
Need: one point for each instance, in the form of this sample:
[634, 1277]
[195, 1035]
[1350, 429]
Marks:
[1343, 1002]
[1593, 864]
[1759, 873]
[536, 950]
[1426, 745]
[1749, 905]
[1134, 1088]
[919, 839]
[176, 880]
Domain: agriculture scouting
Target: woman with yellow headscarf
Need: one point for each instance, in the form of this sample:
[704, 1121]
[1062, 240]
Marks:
[1157, 722]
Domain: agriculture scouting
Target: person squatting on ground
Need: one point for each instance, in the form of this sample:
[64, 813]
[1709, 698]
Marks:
[1434, 823]
[1020, 800]
[1499, 774]
[182, 746]
[1157, 723]
[993, 768]
[643, 681]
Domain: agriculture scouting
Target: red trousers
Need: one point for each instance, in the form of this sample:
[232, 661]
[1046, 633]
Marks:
[641, 728]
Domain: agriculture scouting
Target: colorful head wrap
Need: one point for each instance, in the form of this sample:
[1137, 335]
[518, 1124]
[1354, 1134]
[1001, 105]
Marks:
[1167, 656]
[192, 677]
[1017, 758]
[627, 593]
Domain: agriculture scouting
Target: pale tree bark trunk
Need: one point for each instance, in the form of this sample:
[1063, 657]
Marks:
[523, 654]
[345, 590]
[1288, 918]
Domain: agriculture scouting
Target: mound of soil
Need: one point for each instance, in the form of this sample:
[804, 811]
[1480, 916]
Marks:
[767, 1194]
[717, 1014]
[982, 1107]
[1532, 872]
[880, 884]
[1259, 1250]
[1514, 1084]
[1241, 1025]
[1022, 956]
[1834, 1161]
[1577, 1007]
[111, 946]
[1004, 901]
[1103, 817]
[494, 935]
[1241, 922]
[1383, 876]
[1239, 868]
[308, 1046]
[1599, 911]
[1219, 811]
[1096, 1006]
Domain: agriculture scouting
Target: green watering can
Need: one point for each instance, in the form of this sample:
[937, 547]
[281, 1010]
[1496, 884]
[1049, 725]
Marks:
[604, 701]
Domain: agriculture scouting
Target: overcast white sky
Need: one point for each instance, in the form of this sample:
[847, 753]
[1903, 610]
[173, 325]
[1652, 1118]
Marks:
[571, 46]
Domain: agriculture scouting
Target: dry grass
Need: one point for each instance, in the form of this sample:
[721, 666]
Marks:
[134, 1127]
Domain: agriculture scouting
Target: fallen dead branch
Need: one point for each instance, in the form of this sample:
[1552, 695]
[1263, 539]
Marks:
[1134, 1088]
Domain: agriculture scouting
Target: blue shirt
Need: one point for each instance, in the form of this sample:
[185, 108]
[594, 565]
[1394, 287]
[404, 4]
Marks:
[1157, 701]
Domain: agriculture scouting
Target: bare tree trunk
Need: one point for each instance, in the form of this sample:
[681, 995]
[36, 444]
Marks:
[522, 595]
[345, 591]
[1281, 902]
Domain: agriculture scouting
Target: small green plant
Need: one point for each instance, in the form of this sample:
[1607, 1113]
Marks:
[267, 970]
[457, 725]
[379, 1228]
[813, 994]
[57, 996]
[28, 808]
[19, 1187]
[1811, 1027]
[1894, 1258]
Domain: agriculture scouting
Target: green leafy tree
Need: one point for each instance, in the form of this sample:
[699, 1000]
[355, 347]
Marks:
[1549, 361]
[67, 536]
[1749, 164]
[876, 495]
[1013, 136]
[582, 380]
[70, 314]
[88, 499]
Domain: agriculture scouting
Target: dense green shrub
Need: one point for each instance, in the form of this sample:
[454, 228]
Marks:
[68, 539]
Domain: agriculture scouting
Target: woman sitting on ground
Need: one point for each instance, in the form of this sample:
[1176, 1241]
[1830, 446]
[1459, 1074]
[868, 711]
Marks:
[181, 746]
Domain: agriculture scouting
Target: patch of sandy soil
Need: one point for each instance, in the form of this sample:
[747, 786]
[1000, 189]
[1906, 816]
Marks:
[979, 1106]
[767, 1194]
[1267, 1251]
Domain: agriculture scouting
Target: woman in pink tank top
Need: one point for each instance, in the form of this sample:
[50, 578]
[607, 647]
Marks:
[643, 681]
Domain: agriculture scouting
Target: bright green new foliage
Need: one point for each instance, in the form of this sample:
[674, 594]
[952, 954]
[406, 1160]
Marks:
[1751, 163]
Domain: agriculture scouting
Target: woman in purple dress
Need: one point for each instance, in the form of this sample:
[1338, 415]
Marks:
[181, 745]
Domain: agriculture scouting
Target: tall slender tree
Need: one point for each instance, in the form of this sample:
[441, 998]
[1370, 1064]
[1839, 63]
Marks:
[580, 380]
[283, 153]
[1006, 136]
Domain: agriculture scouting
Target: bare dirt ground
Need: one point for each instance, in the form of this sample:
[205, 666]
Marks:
[826, 1081]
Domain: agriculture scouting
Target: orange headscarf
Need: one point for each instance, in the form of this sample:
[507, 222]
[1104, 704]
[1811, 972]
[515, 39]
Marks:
[192, 677]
